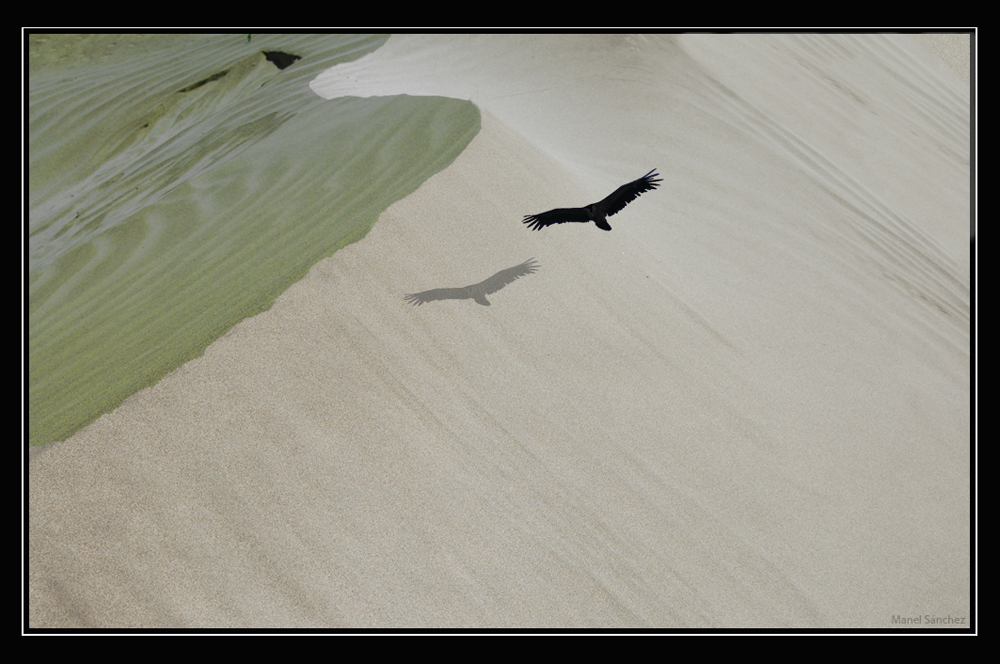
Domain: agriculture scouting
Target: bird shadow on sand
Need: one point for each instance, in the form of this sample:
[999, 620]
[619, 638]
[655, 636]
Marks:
[476, 292]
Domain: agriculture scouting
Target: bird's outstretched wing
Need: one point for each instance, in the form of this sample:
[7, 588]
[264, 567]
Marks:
[416, 299]
[506, 277]
[559, 216]
[627, 193]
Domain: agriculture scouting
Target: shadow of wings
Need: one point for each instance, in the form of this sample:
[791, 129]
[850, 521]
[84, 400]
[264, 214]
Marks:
[476, 292]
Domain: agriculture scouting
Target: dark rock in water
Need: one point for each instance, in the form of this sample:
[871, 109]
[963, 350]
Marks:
[281, 60]
[214, 77]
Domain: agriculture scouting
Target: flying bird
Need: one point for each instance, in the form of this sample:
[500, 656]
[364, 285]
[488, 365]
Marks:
[600, 211]
[477, 292]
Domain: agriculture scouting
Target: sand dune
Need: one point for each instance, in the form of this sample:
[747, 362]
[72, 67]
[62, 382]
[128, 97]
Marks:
[747, 405]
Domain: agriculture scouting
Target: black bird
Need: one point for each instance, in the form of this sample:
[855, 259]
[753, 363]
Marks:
[600, 211]
[477, 292]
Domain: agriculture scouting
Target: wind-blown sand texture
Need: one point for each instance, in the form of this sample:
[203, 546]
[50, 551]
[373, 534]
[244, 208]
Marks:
[747, 405]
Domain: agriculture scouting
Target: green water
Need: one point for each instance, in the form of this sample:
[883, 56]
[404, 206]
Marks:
[161, 214]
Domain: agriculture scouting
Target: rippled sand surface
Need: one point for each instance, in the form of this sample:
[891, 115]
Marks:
[746, 405]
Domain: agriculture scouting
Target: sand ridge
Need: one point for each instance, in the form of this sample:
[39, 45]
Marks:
[748, 405]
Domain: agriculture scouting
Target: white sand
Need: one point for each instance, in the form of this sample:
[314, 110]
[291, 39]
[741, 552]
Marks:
[747, 405]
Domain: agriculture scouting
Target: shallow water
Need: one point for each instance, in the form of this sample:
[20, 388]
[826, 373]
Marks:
[178, 184]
